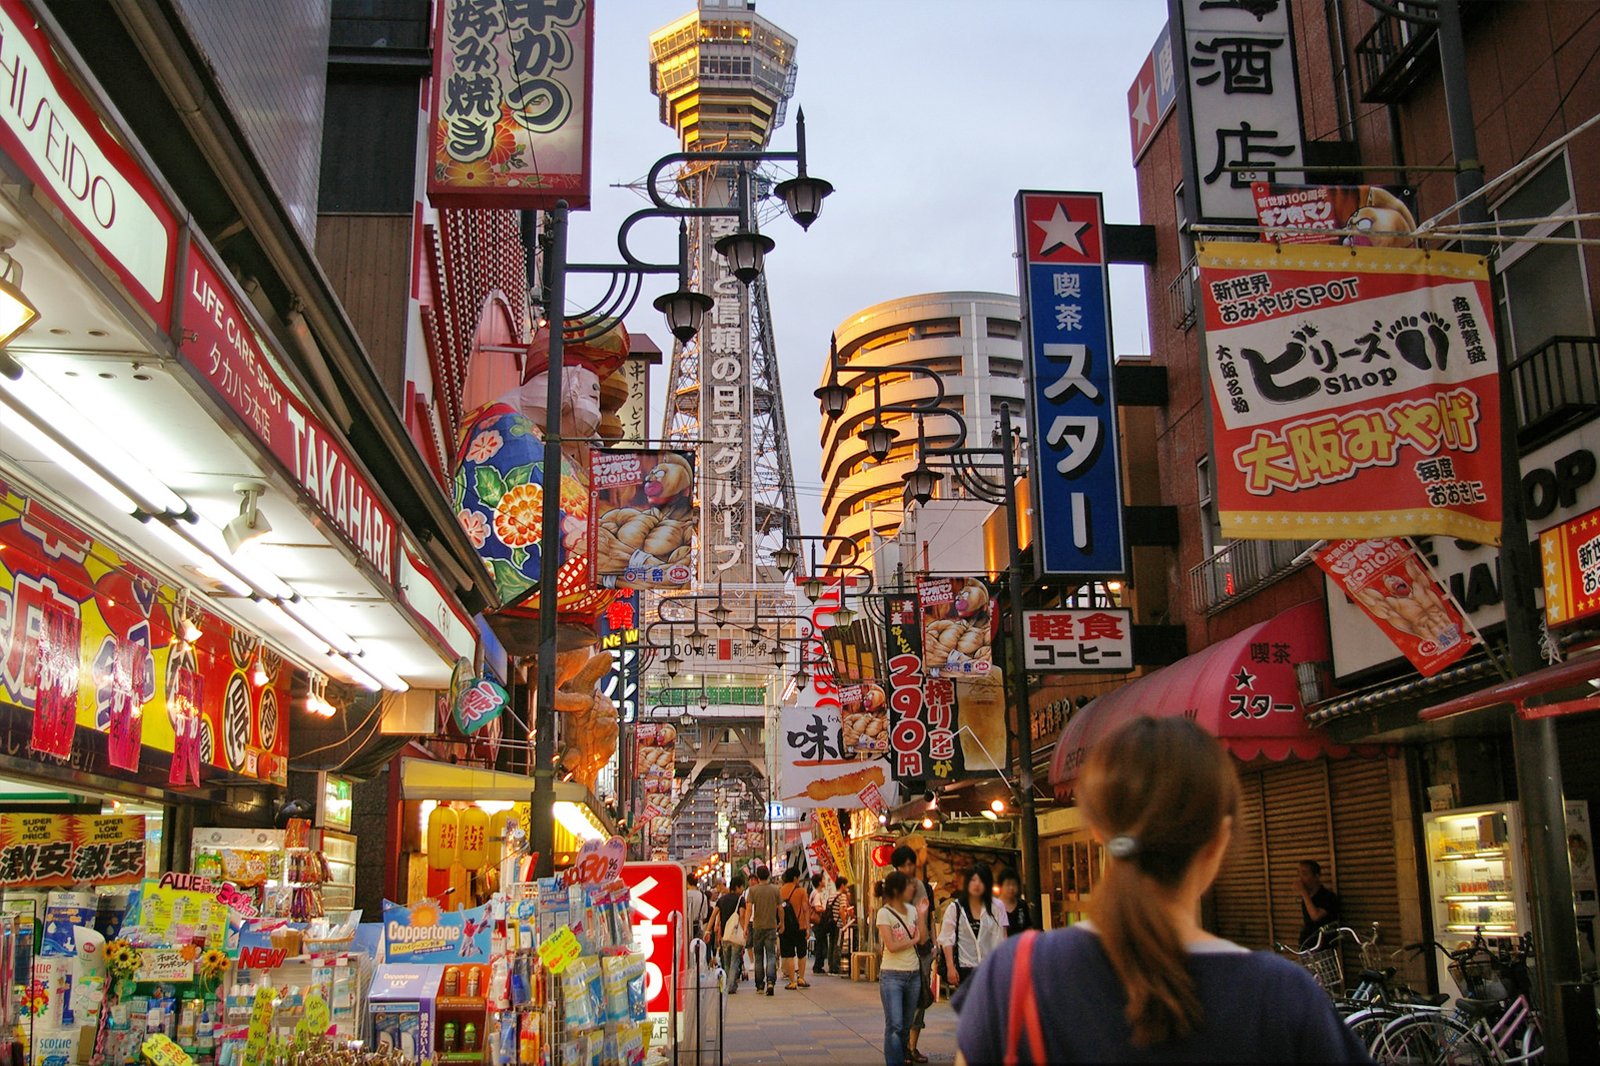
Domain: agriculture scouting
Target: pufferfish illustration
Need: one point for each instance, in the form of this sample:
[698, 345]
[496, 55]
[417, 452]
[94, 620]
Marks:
[960, 642]
[656, 536]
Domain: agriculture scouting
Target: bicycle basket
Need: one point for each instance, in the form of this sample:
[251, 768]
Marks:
[1478, 977]
[1326, 969]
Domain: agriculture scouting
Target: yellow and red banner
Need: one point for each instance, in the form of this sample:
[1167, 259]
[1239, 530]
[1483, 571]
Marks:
[1354, 392]
[52, 850]
[1570, 553]
[1389, 581]
[827, 821]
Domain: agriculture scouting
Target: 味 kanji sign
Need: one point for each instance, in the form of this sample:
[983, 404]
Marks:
[511, 103]
[1093, 639]
[1571, 556]
[49, 850]
[1065, 309]
[1152, 93]
[1242, 99]
[1354, 392]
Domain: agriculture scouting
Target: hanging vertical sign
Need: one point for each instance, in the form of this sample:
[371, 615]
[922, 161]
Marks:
[1077, 481]
[1152, 93]
[908, 713]
[727, 469]
[1389, 581]
[511, 103]
[1242, 99]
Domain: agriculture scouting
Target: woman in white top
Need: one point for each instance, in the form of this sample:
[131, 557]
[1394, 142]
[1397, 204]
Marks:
[974, 925]
[899, 979]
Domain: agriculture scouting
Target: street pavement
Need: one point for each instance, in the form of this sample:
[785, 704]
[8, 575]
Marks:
[834, 1022]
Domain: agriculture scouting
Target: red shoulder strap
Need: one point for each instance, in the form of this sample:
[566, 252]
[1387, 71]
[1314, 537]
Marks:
[1022, 1015]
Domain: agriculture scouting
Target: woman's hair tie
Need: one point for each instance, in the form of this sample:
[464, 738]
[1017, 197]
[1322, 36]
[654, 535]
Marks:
[1123, 846]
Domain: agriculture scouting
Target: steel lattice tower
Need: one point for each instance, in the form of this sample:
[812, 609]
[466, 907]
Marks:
[724, 76]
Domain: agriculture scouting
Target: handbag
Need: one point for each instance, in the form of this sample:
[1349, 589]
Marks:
[733, 931]
[925, 995]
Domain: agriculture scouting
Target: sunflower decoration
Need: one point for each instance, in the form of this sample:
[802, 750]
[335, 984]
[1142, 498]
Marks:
[212, 965]
[122, 961]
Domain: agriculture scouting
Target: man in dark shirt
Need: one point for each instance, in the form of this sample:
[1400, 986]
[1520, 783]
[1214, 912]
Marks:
[1019, 915]
[732, 955]
[1319, 904]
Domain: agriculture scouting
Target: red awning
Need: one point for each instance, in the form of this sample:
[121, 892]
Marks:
[1242, 689]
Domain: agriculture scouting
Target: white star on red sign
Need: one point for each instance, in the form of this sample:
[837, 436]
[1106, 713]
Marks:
[1141, 110]
[1061, 232]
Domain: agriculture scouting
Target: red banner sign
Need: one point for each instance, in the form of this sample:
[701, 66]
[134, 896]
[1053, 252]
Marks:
[52, 850]
[1354, 391]
[657, 891]
[1571, 556]
[1388, 580]
[222, 346]
[1313, 214]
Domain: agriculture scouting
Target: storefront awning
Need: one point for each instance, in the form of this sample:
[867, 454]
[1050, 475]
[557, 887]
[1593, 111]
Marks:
[575, 806]
[1241, 689]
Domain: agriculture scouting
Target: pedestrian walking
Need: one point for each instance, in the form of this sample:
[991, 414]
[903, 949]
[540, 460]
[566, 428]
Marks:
[973, 926]
[696, 907]
[1142, 980]
[796, 929]
[1019, 912]
[824, 930]
[729, 930]
[899, 972]
[763, 911]
[843, 910]
[905, 860]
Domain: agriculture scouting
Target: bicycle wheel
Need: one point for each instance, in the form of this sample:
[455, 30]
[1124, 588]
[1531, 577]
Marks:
[1424, 1040]
[1368, 1023]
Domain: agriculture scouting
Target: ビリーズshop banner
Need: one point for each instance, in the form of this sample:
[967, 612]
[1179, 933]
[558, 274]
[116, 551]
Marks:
[1354, 392]
[1388, 580]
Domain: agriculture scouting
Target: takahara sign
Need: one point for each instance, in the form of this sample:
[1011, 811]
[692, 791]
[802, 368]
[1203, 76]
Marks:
[1099, 638]
[1067, 316]
[1389, 581]
[1152, 93]
[512, 87]
[1242, 98]
[51, 130]
[1354, 392]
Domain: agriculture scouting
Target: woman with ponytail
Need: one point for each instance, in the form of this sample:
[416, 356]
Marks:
[1142, 981]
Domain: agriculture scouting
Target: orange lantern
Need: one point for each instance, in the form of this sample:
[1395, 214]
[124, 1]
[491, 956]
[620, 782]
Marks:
[474, 838]
[444, 838]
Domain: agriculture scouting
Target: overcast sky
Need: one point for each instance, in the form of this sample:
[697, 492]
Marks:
[927, 116]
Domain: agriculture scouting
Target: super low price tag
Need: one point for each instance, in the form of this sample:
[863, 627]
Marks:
[559, 950]
[159, 1050]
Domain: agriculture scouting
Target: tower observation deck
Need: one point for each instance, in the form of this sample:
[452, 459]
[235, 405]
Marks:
[724, 75]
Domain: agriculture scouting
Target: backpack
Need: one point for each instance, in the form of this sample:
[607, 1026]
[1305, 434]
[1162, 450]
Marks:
[790, 922]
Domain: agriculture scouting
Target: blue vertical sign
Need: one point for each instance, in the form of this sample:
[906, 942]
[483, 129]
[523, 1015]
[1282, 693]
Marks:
[1066, 311]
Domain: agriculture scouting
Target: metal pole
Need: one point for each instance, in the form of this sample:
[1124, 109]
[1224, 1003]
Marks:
[1019, 685]
[541, 815]
[1538, 766]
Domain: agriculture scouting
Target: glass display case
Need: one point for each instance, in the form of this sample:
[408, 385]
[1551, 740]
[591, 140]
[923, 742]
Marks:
[1476, 873]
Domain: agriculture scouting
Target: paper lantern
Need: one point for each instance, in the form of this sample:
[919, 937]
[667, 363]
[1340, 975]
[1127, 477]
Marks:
[444, 838]
[474, 838]
[881, 854]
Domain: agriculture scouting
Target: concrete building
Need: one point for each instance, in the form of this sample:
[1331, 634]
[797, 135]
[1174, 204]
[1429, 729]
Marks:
[972, 340]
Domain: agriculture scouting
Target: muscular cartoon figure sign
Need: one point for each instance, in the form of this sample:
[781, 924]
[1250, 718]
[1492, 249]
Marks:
[1387, 580]
[1354, 392]
[642, 518]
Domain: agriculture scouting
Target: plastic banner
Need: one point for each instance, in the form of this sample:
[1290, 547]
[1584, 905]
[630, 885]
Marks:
[424, 933]
[45, 850]
[1353, 391]
[1390, 582]
[642, 518]
[1311, 214]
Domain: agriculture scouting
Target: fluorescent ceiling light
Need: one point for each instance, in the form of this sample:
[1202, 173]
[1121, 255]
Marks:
[24, 427]
[576, 819]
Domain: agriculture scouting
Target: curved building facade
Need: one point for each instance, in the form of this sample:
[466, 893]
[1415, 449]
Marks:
[973, 340]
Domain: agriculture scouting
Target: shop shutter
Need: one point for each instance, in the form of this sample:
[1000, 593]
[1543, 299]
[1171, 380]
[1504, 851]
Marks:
[1294, 799]
[1363, 868]
[1238, 897]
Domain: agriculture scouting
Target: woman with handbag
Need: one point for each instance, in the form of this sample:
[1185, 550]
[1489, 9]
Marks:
[1143, 981]
[899, 972]
[974, 925]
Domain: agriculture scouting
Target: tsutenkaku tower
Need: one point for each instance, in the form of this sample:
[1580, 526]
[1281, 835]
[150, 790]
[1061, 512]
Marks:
[724, 76]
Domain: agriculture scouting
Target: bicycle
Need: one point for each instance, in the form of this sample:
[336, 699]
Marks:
[1488, 1026]
[1378, 998]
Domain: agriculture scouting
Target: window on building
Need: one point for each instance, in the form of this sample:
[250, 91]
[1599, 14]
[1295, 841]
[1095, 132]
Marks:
[1003, 327]
[938, 327]
[1004, 368]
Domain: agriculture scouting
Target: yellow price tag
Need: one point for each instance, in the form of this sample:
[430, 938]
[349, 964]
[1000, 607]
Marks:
[161, 1051]
[314, 1023]
[255, 1044]
[559, 950]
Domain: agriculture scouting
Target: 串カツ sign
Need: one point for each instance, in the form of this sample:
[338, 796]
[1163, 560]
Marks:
[1354, 392]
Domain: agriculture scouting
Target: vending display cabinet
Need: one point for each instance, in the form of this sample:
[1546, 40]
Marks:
[1477, 877]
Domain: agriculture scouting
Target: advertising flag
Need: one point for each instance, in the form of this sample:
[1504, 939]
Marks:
[1313, 214]
[1354, 392]
[655, 759]
[642, 518]
[922, 710]
[958, 626]
[815, 768]
[1389, 581]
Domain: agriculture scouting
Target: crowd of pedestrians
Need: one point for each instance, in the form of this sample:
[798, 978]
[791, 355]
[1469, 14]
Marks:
[753, 923]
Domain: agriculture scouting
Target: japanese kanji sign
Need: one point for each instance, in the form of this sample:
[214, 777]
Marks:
[815, 768]
[727, 464]
[1077, 483]
[1354, 392]
[922, 710]
[1098, 638]
[642, 518]
[1152, 93]
[511, 106]
[478, 704]
[1389, 581]
[54, 850]
[658, 895]
[1571, 556]
[1242, 98]
[1312, 214]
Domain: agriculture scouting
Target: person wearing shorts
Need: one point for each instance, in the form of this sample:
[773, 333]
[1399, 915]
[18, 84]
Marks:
[792, 936]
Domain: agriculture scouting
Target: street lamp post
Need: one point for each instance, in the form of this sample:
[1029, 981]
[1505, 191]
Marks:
[684, 310]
